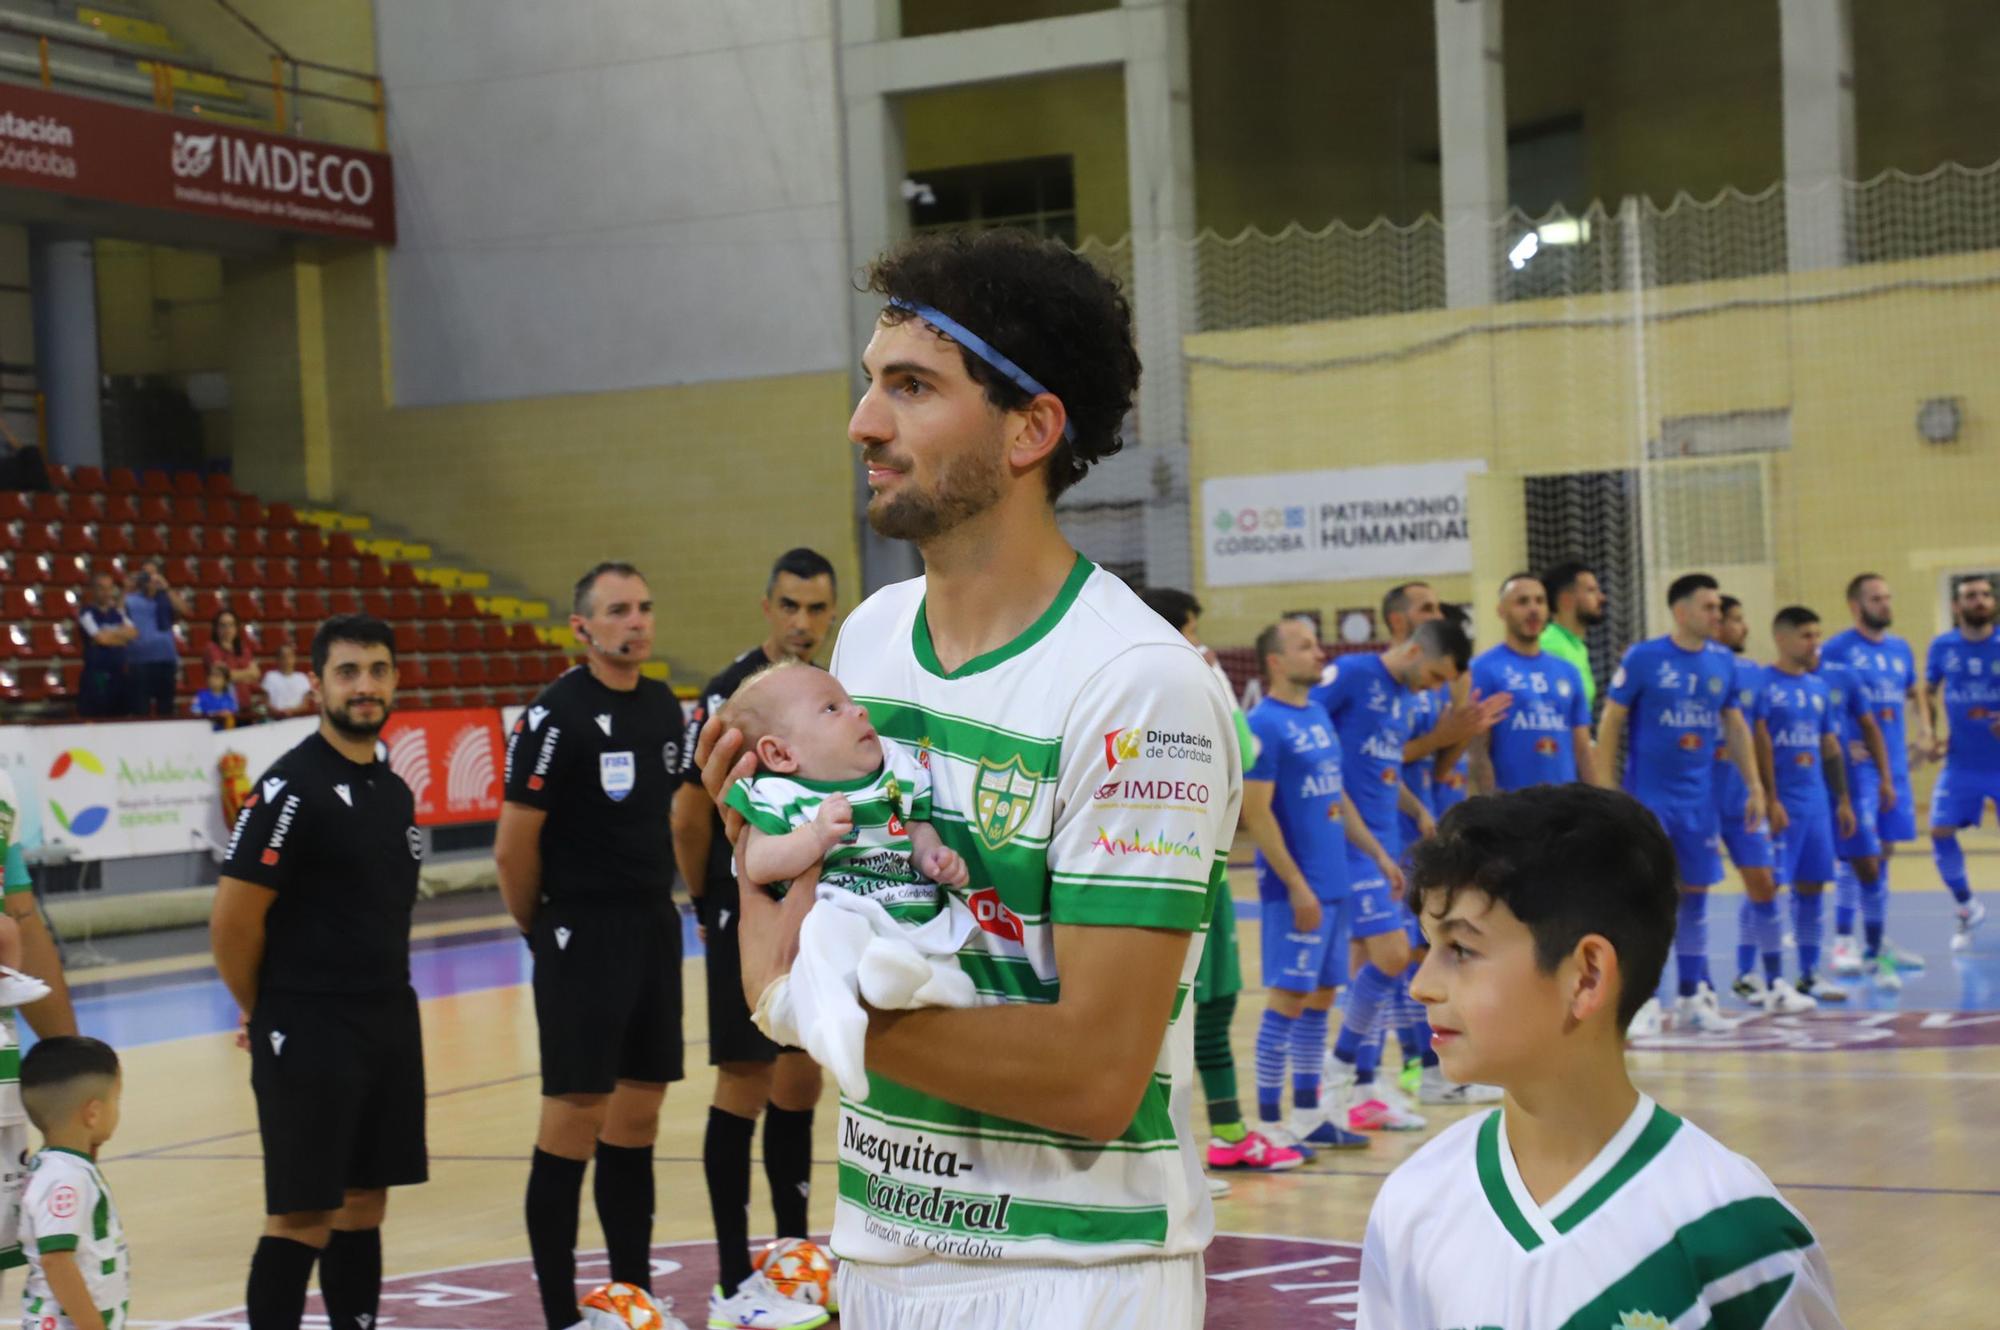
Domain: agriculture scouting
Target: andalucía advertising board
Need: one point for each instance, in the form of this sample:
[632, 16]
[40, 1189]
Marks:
[1337, 526]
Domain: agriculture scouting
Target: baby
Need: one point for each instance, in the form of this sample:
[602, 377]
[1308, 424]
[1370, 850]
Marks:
[831, 795]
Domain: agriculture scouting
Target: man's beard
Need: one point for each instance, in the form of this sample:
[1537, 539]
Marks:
[1876, 623]
[966, 487]
[1590, 618]
[355, 729]
[1976, 620]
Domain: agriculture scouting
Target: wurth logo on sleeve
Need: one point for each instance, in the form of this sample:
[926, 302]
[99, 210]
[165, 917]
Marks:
[282, 829]
[538, 777]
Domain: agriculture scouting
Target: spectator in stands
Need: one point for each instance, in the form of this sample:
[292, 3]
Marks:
[22, 467]
[230, 647]
[217, 702]
[106, 632]
[153, 660]
[287, 690]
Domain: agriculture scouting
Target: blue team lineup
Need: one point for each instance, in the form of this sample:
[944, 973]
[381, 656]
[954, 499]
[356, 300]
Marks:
[1797, 771]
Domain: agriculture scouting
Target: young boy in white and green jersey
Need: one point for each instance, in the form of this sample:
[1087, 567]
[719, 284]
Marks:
[15, 989]
[79, 1267]
[1579, 1204]
[834, 797]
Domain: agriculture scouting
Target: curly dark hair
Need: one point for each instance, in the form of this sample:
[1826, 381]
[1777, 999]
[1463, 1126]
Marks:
[1043, 307]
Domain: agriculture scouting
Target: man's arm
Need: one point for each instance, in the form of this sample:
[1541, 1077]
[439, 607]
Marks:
[1586, 754]
[1742, 751]
[517, 854]
[40, 957]
[236, 936]
[1117, 994]
[1413, 808]
[66, 1282]
[1878, 749]
[1610, 739]
[1263, 827]
[1455, 728]
[693, 825]
[1766, 766]
[1483, 779]
[1359, 836]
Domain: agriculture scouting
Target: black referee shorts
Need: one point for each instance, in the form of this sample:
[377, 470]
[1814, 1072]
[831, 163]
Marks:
[607, 994]
[732, 1035]
[339, 1080]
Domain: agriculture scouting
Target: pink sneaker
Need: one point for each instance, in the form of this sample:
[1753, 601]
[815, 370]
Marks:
[1378, 1115]
[1254, 1152]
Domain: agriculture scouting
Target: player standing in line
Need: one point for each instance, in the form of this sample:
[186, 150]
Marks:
[1759, 925]
[1082, 763]
[1798, 734]
[1544, 737]
[1368, 698]
[1231, 1145]
[1580, 1202]
[1676, 691]
[1962, 669]
[1868, 784]
[1576, 605]
[753, 1076]
[1886, 670]
[586, 871]
[1297, 809]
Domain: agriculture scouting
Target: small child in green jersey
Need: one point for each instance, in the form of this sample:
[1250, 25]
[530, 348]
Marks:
[833, 795]
[1579, 1203]
[79, 1268]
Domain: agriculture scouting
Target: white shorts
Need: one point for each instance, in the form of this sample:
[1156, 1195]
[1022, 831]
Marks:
[1167, 1294]
[13, 1185]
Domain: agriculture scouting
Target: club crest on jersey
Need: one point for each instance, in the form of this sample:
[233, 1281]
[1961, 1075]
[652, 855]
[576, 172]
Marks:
[1002, 796]
[1641, 1321]
[616, 774]
[892, 791]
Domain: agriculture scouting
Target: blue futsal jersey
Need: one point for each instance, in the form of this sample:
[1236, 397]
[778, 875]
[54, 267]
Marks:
[1532, 743]
[1798, 711]
[1371, 714]
[1886, 671]
[1966, 675]
[1746, 686]
[1301, 758]
[1676, 700]
[1419, 777]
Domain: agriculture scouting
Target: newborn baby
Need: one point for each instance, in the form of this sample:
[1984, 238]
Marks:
[832, 795]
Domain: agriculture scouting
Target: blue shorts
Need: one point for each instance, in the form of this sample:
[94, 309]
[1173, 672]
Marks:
[1374, 910]
[1866, 794]
[1304, 962]
[1694, 830]
[1960, 797]
[1747, 849]
[1805, 848]
[1900, 822]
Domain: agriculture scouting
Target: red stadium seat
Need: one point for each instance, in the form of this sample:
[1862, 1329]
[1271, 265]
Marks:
[310, 573]
[402, 575]
[492, 635]
[39, 538]
[465, 636]
[278, 604]
[156, 509]
[462, 606]
[222, 512]
[341, 572]
[341, 544]
[16, 603]
[90, 478]
[148, 542]
[472, 671]
[283, 540]
[503, 671]
[434, 604]
[411, 673]
[282, 514]
[183, 540]
[206, 605]
[212, 573]
[343, 602]
[218, 541]
[437, 637]
[155, 482]
[408, 641]
[199, 635]
[77, 538]
[375, 603]
[64, 639]
[69, 681]
[441, 671]
[47, 602]
[310, 605]
[190, 509]
[84, 507]
[312, 541]
[404, 605]
[219, 484]
[113, 542]
[121, 480]
[522, 637]
[121, 508]
[179, 570]
[13, 506]
[249, 512]
[187, 482]
[370, 573]
[194, 676]
[250, 540]
[302, 638]
[45, 506]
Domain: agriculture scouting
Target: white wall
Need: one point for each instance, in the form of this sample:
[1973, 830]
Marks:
[611, 194]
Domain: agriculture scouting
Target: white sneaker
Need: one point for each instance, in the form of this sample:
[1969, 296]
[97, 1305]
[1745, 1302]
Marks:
[1784, 1000]
[1217, 1187]
[1971, 917]
[1701, 1014]
[1647, 1023]
[1281, 1135]
[17, 989]
[1825, 990]
[1751, 988]
[1909, 960]
[1437, 1090]
[757, 1305]
[1846, 956]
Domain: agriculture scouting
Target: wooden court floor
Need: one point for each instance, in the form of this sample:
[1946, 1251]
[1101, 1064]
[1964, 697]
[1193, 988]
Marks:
[1888, 1150]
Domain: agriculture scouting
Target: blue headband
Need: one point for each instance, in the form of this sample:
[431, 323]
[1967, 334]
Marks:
[987, 352]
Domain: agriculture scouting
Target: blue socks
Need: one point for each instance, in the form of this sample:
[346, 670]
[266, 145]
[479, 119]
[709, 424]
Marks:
[1809, 922]
[1846, 899]
[1950, 858]
[1691, 941]
[1770, 936]
[1274, 1038]
[1874, 914]
[1308, 1052]
[1746, 937]
[1370, 990]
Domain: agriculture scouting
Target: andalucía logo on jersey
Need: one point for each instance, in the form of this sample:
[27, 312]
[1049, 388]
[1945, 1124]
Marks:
[1002, 797]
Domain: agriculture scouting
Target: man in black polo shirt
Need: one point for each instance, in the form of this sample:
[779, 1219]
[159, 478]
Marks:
[311, 931]
[751, 1072]
[586, 869]
[106, 632]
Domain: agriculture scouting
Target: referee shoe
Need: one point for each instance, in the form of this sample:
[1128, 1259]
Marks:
[757, 1305]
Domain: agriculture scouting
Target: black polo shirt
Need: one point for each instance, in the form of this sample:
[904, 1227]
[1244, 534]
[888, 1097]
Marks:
[603, 764]
[338, 841]
[720, 878]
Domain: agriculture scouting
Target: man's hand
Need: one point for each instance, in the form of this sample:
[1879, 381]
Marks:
[1426, 825]
[1393, 872]
[1888, 791]
[1780, 819]
[1843, 818]
[1753, 808]
[719, 753]
[1475, 715]
[767, 933]
[835, 821]
[944, 866]
[1305, 909]
[243, 1032]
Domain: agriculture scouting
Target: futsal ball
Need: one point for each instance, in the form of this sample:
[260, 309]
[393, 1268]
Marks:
[620, 1307]
[800, 1270]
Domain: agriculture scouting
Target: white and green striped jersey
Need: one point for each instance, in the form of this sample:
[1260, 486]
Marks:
[1665, 1230]
[874, 860]
[13, 879]
[1088, 773]
[68, 1208]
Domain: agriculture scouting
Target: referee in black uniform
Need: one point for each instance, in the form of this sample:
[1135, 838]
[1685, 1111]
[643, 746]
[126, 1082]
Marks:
[751, 1072]
[586, 869]
[311, 931]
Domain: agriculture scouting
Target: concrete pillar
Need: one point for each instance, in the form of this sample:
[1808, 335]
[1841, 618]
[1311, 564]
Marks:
[1159, 152]
[1817, 41]
[63, 278]
[1472, 141]
[877, 216]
